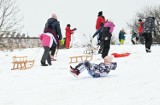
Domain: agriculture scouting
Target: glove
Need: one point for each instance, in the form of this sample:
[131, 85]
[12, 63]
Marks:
[74, 29]
[59, 37]
[94, 36]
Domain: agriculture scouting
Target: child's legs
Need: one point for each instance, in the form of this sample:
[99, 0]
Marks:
[68, 42]
[122, 41]
[133, 42]
[45, 54]
[82, 66]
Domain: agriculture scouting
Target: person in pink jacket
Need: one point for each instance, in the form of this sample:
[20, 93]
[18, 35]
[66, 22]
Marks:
[47, 39]
[106, 37]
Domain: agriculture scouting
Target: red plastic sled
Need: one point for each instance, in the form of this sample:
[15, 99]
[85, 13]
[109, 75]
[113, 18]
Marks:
[116, 55]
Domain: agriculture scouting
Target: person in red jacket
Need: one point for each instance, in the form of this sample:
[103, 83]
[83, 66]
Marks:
[100, 20]
[140, 30]
[69, 31]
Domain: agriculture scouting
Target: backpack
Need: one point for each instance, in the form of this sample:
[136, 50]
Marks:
[149, 25]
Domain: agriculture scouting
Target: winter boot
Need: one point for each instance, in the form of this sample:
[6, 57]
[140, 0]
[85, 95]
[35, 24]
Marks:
[81, 67]
[49, 63]
[74, 71]
[43, 64]
[148, 50]
[52, 58]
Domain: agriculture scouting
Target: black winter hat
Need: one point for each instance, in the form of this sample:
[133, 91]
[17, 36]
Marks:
[68, 25]
[153, 18]
[140, 20]
[100, 13]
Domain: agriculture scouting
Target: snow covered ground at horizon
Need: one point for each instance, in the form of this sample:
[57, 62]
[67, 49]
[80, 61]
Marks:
[136, 81]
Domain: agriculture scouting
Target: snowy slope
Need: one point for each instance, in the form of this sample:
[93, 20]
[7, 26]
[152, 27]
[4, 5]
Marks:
[134, 82]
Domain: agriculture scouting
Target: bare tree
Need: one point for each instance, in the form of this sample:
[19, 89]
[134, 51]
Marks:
[9, 16]
[149, 11]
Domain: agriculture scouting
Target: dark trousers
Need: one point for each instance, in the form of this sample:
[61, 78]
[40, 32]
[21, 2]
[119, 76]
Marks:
[141, 39]
[53, 50]
[46, 55]
[148, 40]
[106, 47]
[133, 42]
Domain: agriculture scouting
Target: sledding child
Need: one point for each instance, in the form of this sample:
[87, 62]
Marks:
[95, 70]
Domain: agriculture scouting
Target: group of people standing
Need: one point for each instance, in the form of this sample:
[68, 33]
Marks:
[51, 38]
[135, 38]
[146, 29]
[104, 29]
[52, 35]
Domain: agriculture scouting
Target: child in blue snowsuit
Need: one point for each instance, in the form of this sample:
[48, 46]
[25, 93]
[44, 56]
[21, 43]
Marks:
[95, 70]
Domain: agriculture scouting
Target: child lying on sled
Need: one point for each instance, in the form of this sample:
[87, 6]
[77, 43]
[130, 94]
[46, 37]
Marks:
[95, 70]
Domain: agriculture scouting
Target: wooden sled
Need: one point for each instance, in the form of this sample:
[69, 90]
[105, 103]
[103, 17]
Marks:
[76, 59]
[21, 62]
[90, 50]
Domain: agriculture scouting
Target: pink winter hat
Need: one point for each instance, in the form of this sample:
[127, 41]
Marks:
[54, 16]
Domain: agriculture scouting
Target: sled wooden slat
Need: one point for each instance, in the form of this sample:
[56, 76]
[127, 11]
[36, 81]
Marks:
[90, 50]
[75, 59]
[22, 63]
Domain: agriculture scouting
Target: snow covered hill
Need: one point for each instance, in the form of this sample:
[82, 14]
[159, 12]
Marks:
[134, 82]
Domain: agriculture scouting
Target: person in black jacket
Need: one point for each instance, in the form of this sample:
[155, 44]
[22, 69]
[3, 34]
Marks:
[55, 26]
[148, 29]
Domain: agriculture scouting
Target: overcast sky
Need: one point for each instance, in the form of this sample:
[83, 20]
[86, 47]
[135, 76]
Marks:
[81, 14]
